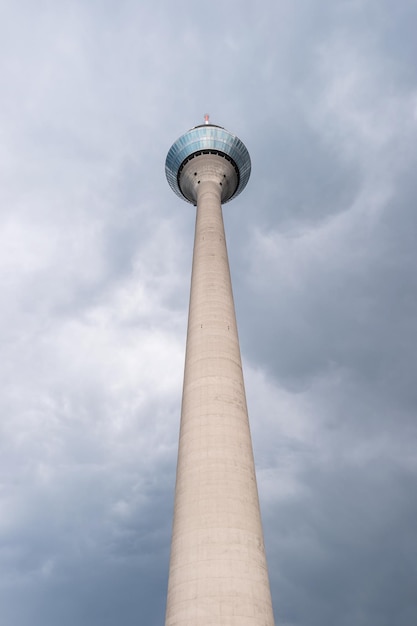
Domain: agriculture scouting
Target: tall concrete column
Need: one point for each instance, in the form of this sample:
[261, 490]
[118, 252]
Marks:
[218, 572]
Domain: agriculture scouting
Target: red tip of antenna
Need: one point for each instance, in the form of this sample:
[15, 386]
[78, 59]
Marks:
[206, 118]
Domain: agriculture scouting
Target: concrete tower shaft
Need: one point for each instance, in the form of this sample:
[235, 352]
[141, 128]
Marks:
[208, 168]
[218, 572]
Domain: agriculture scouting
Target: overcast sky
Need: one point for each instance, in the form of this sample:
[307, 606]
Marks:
[95, 260]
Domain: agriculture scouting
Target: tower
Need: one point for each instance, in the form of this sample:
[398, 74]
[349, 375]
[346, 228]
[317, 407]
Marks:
[218, 573]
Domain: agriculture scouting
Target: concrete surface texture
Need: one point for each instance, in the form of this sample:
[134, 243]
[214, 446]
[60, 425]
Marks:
[218, 572]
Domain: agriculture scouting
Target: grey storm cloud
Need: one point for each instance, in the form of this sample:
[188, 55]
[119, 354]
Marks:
[95, 259]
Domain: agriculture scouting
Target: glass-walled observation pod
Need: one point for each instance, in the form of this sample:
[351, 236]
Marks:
[213, 139]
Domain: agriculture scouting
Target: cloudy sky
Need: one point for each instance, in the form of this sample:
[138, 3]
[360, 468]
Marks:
[95, 258]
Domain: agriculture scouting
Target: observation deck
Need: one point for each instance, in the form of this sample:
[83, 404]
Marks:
[207, 139]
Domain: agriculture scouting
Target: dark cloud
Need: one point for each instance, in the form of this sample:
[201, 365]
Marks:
[341, 558]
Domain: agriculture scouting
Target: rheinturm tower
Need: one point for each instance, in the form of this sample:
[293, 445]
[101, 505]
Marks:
[218, 573]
